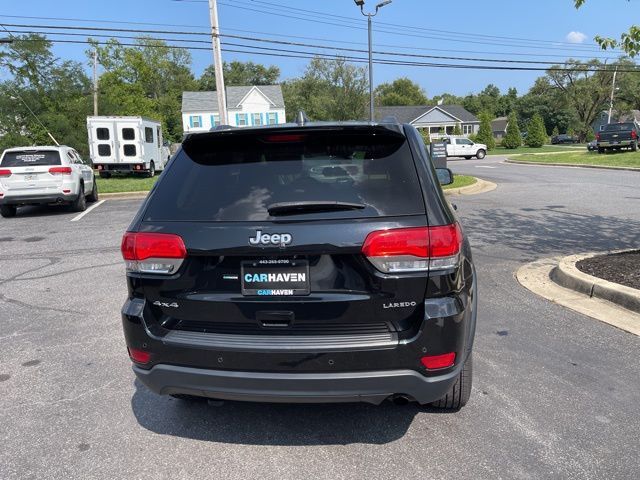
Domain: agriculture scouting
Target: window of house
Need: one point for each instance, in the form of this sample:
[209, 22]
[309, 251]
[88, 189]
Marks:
[196, 121]
[102, 133]
[257, 118]
[467, 129]
[272, 118]
[215, 120]
[129, 150]
[128, 134]
[148, 135]
[242, 119]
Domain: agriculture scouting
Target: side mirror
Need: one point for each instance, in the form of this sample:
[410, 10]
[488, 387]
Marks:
[445, 176]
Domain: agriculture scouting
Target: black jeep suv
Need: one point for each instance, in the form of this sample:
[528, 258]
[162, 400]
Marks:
[301, 263]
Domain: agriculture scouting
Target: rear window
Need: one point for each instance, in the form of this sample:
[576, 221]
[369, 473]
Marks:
[618, 127]
[237, 176]
[30, 158]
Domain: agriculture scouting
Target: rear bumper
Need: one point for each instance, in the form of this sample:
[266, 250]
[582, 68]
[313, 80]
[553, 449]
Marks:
[120, 167]
[621, 143]
[40, 199]
[370, 387]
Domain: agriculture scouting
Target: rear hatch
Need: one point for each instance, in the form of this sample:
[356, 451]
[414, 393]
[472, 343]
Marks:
[274, 221]
[30, 171]
[617, 132]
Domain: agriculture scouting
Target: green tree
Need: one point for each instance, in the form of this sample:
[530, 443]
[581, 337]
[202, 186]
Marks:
[401, 91]
[240, 73]
[536, 134]
[457, 130]
[555, 131]
[582, 89]
[485, 134]
[147, 79]
[328, 90]
[57, 92]
[513, 138]
[425, 136]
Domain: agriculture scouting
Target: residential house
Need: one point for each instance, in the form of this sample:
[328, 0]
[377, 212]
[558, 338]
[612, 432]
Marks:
[439, 120]
[246, 106]
[499, 127]
[602, 119]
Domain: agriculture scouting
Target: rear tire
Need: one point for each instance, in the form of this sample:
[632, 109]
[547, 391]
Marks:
[468, 158]
[8, 211]
[105, 175]
[458, 396]
[93, 196]
[481, 154]
[634, 146]
[152, 170]
[80, 203]
[600, 150]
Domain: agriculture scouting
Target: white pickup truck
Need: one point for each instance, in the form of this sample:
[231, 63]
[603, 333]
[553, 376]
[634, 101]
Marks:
[463, 147]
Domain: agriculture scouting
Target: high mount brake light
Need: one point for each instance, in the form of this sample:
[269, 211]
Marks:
[60, 170]
[153, 252]
[284, 138]
[418, 249]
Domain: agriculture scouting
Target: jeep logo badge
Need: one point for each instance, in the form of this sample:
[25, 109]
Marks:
[281, 239]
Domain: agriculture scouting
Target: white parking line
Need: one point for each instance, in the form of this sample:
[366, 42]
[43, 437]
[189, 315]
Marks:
[92, 207]
[484, 166]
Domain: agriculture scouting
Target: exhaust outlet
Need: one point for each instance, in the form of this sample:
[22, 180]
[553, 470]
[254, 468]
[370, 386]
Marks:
[400, 400]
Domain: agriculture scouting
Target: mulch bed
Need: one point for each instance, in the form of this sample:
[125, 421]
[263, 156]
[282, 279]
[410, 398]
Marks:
[622, 268]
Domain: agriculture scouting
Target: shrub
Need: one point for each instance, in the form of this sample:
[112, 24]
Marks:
[536, 135]
[485, 134]
[426, 138]
[513, 138]
[555, 131]
[457, 130]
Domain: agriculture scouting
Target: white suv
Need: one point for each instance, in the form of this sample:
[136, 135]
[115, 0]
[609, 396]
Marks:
[43, 176]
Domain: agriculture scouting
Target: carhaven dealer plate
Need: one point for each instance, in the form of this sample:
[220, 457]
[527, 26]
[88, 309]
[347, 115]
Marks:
[277, 277]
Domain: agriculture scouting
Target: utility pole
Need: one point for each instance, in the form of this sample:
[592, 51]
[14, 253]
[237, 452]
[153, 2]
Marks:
[95, 82]
[613, 90]
[217, 62]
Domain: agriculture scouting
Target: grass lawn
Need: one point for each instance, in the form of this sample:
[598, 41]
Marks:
[622, 159]
[125, 184]
[461, 181]
[543, 149]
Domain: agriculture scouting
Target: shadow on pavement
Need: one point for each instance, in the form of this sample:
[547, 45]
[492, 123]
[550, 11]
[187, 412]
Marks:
[549, 230]
[272, 424]
[44, 211]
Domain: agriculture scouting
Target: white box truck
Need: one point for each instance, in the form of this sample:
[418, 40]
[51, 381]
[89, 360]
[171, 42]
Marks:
[126, 145]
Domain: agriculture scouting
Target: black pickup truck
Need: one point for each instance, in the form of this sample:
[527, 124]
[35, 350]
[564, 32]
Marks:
[617, 136]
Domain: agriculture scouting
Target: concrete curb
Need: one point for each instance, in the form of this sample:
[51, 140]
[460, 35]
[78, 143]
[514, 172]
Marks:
[602, 167]
[481, 186]
[124, 195]
[547, 153]
[536, 277]
[568, 275]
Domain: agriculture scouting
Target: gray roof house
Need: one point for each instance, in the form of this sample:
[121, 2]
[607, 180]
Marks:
[602, 119]
[499, 127]
[250, 105]
[438, 119]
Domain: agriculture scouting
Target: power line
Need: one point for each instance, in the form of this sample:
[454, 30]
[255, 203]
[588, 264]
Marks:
[256, 39]
[281, 35]
[310, 55]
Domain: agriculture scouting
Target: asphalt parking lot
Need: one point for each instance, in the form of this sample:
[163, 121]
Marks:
[555, 393]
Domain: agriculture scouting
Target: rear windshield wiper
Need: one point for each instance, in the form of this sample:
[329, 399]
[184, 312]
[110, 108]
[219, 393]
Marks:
[291, 208]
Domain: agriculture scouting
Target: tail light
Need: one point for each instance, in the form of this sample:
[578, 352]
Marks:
[153, 252]
[60, 170]
[5, 172]
[597, 136]
[436, 362]
[634, 135]
[416, 249]
[139, 356]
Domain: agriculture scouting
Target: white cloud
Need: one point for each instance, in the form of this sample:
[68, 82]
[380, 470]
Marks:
[576, 37]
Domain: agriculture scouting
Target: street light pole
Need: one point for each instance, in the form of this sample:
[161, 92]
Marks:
[369, 16]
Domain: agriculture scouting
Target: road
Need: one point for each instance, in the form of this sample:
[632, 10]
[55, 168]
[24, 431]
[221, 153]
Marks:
[556, 394]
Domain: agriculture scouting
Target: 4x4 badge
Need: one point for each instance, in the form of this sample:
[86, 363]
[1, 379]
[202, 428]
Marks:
[281, 239]
[166, 305]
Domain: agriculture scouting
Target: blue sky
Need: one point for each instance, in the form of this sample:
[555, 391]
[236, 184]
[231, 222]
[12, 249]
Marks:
[507, 29]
